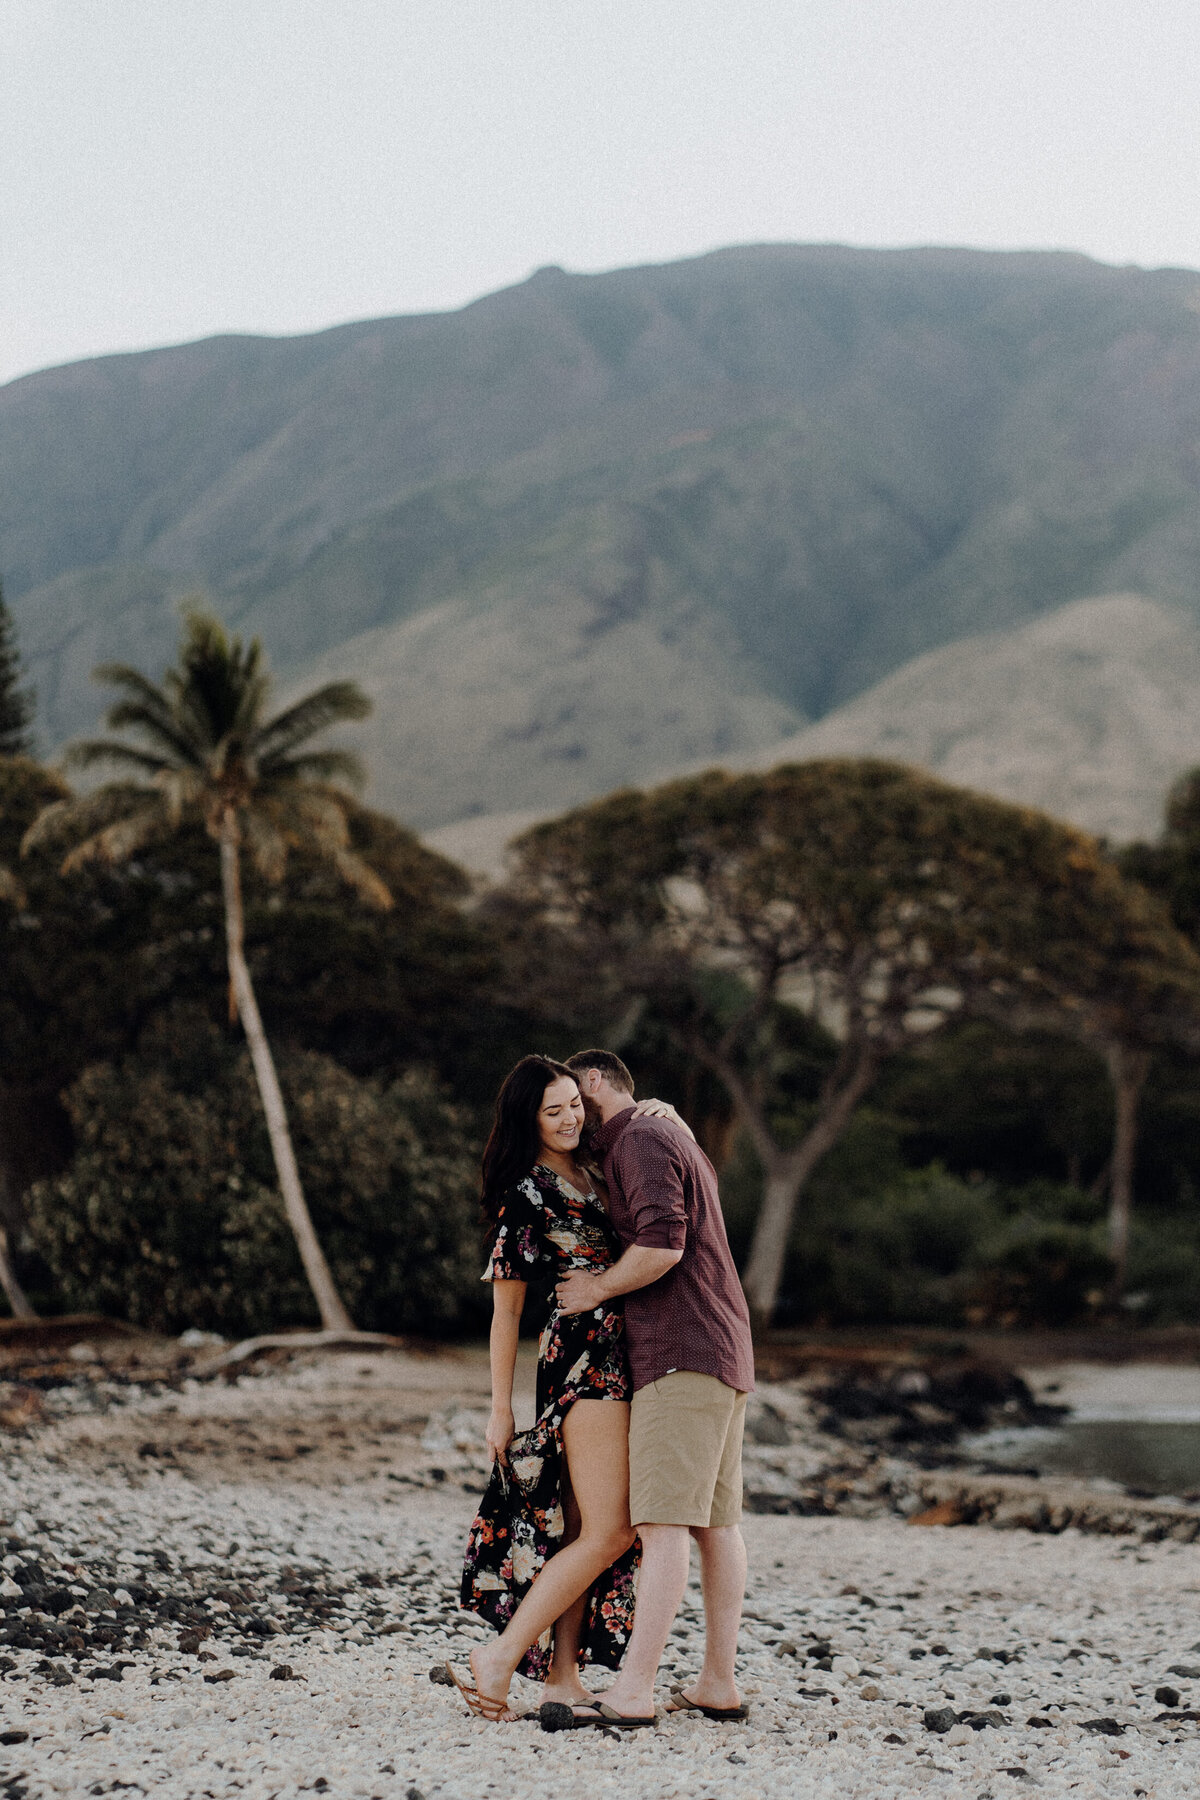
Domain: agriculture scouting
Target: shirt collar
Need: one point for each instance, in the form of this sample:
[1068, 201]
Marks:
[608, 1133]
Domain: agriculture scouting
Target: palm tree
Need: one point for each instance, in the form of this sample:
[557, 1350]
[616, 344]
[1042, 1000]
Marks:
[208, 751]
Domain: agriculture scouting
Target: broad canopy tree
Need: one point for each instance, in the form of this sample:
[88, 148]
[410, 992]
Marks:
[205, 748]
[876, 899]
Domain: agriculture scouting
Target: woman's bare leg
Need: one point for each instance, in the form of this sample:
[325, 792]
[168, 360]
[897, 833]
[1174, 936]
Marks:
[596, 1441]
[563, 1680]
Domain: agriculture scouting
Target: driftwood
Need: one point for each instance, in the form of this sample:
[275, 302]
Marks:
[66, 1328]
[249, 1348]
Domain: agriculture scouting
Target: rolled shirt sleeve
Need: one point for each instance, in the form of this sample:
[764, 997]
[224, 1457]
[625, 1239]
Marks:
[652, 1181]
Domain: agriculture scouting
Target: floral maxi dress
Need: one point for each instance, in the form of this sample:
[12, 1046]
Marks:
[546, 1229]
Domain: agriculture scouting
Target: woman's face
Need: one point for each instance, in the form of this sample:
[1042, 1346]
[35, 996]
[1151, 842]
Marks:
[560, 1116]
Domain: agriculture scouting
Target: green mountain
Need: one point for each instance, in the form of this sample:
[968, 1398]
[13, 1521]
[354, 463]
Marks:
[593, 528]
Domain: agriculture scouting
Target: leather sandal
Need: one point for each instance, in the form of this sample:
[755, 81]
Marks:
[484, 1706]
[608, 1715]
[727, 1714]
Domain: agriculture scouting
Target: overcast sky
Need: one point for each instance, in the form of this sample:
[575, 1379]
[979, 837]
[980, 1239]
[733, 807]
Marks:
[171, 169]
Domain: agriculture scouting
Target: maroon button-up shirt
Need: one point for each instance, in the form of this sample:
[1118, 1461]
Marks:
[663, 1195]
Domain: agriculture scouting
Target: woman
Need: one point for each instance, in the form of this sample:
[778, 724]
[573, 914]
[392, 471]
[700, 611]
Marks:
[551, 1556]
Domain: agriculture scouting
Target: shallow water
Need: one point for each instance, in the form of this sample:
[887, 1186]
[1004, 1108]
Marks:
[1157, 1455]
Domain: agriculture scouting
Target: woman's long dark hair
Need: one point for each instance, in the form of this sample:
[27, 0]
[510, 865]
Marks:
[513, 1147]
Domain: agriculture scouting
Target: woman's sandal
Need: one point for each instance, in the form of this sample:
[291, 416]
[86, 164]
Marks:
[484, 1706]
[725, 1714]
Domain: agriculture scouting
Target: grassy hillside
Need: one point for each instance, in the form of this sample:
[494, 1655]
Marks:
[1089, 714]
[595, 526]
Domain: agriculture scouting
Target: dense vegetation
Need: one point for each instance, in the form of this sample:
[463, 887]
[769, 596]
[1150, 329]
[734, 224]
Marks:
[916, 1028]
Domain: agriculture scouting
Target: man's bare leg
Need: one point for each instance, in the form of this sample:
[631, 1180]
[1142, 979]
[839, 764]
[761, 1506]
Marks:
[661, 1581]
[723, 1583]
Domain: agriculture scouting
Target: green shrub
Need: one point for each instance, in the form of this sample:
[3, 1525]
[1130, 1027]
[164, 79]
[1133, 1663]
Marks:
[1036, 1270]
[168, 1213]
[1164, 1267]
[874, 1242]
[895, 1255]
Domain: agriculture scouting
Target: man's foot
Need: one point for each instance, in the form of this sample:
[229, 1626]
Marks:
[631, 1705]
[725, 1703]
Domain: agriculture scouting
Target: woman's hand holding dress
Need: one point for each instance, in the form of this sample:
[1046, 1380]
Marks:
[501, 1427]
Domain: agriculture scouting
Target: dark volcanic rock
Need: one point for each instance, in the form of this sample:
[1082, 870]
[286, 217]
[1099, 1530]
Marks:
[915, 1406]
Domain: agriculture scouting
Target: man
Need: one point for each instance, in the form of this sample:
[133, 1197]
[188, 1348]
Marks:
[687, 1329]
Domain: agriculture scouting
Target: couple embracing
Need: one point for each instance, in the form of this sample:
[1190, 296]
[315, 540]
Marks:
[643, 1371]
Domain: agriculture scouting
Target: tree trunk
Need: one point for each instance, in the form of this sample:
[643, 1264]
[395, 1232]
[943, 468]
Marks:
[786, 1173]
[334, 1316]
[1127, 1070]
[13, 1291]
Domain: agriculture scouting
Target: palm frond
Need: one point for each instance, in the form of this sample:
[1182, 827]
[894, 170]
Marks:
[10, 888]
[146, 706]
[306, 818]
[265, 844]
[180, 788]
[120, 840]
[315, 765]
[217, 689]
[314, 819]
[337, 703]
[359, 875]
[172, 734]
[89, 751]
[124, 675]
[81, 815]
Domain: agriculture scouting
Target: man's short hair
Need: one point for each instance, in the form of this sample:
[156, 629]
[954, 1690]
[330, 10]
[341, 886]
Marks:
[610, 1066]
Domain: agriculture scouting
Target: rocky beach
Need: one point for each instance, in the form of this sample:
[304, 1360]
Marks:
[234, 1578]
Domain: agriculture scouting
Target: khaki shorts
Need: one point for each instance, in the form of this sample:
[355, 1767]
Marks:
[685, 1451]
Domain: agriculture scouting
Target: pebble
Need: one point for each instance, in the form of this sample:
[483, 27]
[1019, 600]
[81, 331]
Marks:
[251, 1635]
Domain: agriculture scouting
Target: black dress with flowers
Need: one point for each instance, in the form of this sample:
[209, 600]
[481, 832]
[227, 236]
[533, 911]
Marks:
[546, 1229]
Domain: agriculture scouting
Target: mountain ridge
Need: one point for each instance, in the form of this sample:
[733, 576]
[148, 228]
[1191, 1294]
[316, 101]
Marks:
[712, 501]
[1089, 714]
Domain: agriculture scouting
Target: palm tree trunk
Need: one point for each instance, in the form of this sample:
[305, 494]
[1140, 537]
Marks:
[334, 1316]
[14, 1293]
[1127, 1071]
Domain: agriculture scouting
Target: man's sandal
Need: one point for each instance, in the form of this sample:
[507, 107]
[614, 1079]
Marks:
[484, 1706]
[728, 1714]
[604, 1715]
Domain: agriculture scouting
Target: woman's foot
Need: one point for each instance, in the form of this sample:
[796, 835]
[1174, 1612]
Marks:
[566, 1693]
[486, 1693]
